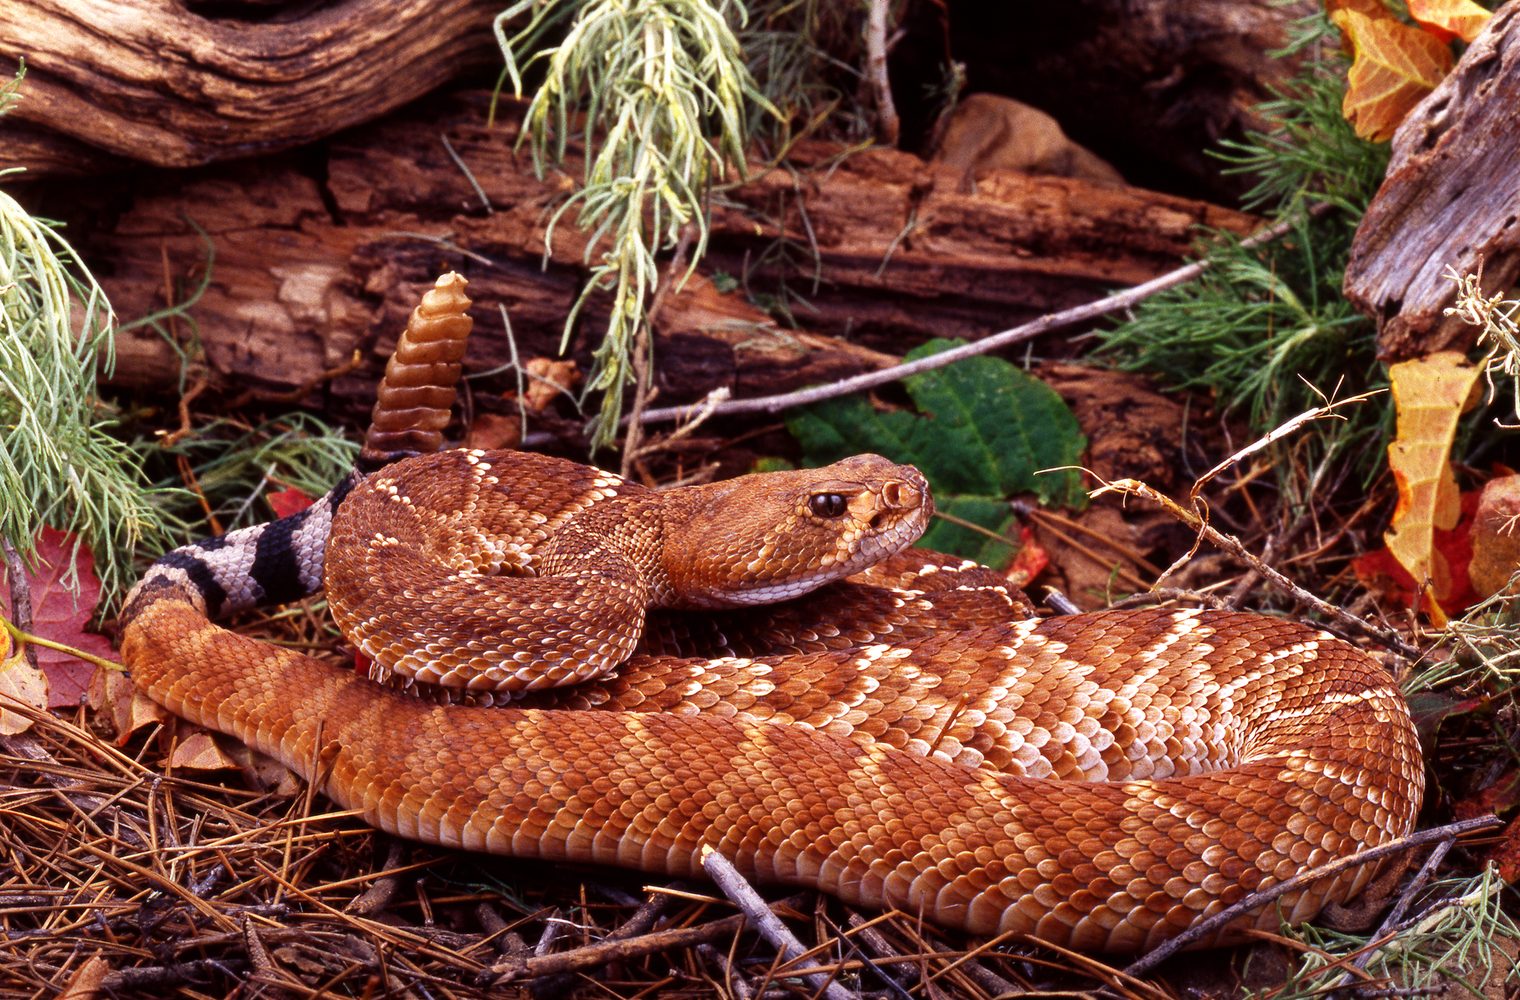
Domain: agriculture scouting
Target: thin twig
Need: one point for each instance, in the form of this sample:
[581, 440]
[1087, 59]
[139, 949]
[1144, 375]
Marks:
[888, 127]
[744, 896]
[1205, 928]
[469, 175]
[21, 595]
[1027, 331]
[643, 349]
[1391, 922]
[1196, 521]
[594, 956]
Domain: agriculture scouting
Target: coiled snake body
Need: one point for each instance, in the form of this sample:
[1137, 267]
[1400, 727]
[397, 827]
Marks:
[1155, 765]
[899, 738]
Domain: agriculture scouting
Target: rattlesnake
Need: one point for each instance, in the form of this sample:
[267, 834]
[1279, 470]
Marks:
[900, 738]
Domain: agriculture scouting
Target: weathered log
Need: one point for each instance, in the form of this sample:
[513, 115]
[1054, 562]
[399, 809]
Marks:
[1451, 199]
[155, 82]
[311, 262]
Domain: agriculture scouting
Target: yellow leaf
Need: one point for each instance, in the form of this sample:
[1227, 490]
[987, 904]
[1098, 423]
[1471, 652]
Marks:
[1448, 19]
[1372, 8]
[19, 682]
[1393, 67]
[1429, 395]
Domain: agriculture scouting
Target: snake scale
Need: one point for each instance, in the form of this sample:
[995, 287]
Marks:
[900, 738]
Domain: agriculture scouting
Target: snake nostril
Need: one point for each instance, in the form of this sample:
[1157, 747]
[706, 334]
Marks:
[891, 494]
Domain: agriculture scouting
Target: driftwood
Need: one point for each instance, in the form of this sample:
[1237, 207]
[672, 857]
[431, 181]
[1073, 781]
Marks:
[312, 263]
[159, 83]
[1451, 199]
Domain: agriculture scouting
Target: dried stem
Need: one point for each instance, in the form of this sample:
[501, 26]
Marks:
[1202, 930]
[1017, 335]
[887, 124]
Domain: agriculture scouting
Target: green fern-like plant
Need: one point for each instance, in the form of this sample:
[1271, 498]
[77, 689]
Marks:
[1266, 330]
[59, 465]
[659, 92]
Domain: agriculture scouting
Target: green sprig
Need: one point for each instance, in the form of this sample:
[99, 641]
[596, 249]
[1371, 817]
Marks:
[663, 88]
[59, 466]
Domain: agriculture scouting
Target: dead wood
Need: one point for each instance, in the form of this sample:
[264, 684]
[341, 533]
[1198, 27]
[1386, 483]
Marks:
[309, 265]
[1451, 199]
[156, 82]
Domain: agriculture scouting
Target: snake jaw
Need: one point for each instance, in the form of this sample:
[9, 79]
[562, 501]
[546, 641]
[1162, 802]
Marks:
[765, 538]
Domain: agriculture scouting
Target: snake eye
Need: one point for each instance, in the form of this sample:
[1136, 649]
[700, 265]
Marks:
[826, 505]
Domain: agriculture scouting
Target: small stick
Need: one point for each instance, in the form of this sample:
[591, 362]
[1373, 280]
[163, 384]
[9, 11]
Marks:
[642, 350]
[383, 889]
[899, 981]
[1017, 335]
[1390, 924]
[1195, 520]
[887, 123]
[594, 956]
[750, 903]
[731, 978]
[1256, 900]
[21, 595]
[1060, 603]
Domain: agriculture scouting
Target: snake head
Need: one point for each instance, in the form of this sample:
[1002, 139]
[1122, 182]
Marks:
[773, 536]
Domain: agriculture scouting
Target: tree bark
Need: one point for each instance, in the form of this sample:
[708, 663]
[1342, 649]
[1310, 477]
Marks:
[155, 82]
[1451, 199]
[312, 262]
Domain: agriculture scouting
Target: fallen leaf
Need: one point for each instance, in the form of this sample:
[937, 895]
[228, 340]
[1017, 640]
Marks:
[19, 682]
[288, 501]
[1499, 797]
[199, 752]
[62, 616]
[1496, 536]
[1429, 395]
[87, 980]
[112, 693]
[547, 379]
[1029, 562]
[1371, 8]
[1505, 854]
[1393, 66]
[1380, 573]
[1449, 19]
[494, 430]
[1429, 709]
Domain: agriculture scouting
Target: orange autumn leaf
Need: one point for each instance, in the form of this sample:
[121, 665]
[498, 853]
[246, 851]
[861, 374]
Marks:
[199, 752]
[1393, 67]
[1448, 19]
[1372, 8]
[1429, 395]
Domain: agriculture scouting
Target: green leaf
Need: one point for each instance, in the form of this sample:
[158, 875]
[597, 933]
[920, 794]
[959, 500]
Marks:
[984, 432]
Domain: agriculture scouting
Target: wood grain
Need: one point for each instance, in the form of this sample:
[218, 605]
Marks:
[1451, 199]
[155, 82]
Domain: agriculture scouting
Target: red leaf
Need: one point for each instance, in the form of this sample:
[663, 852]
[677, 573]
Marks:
[1382, 574]
[1029, 562]
[288, 501]
[61, 616]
